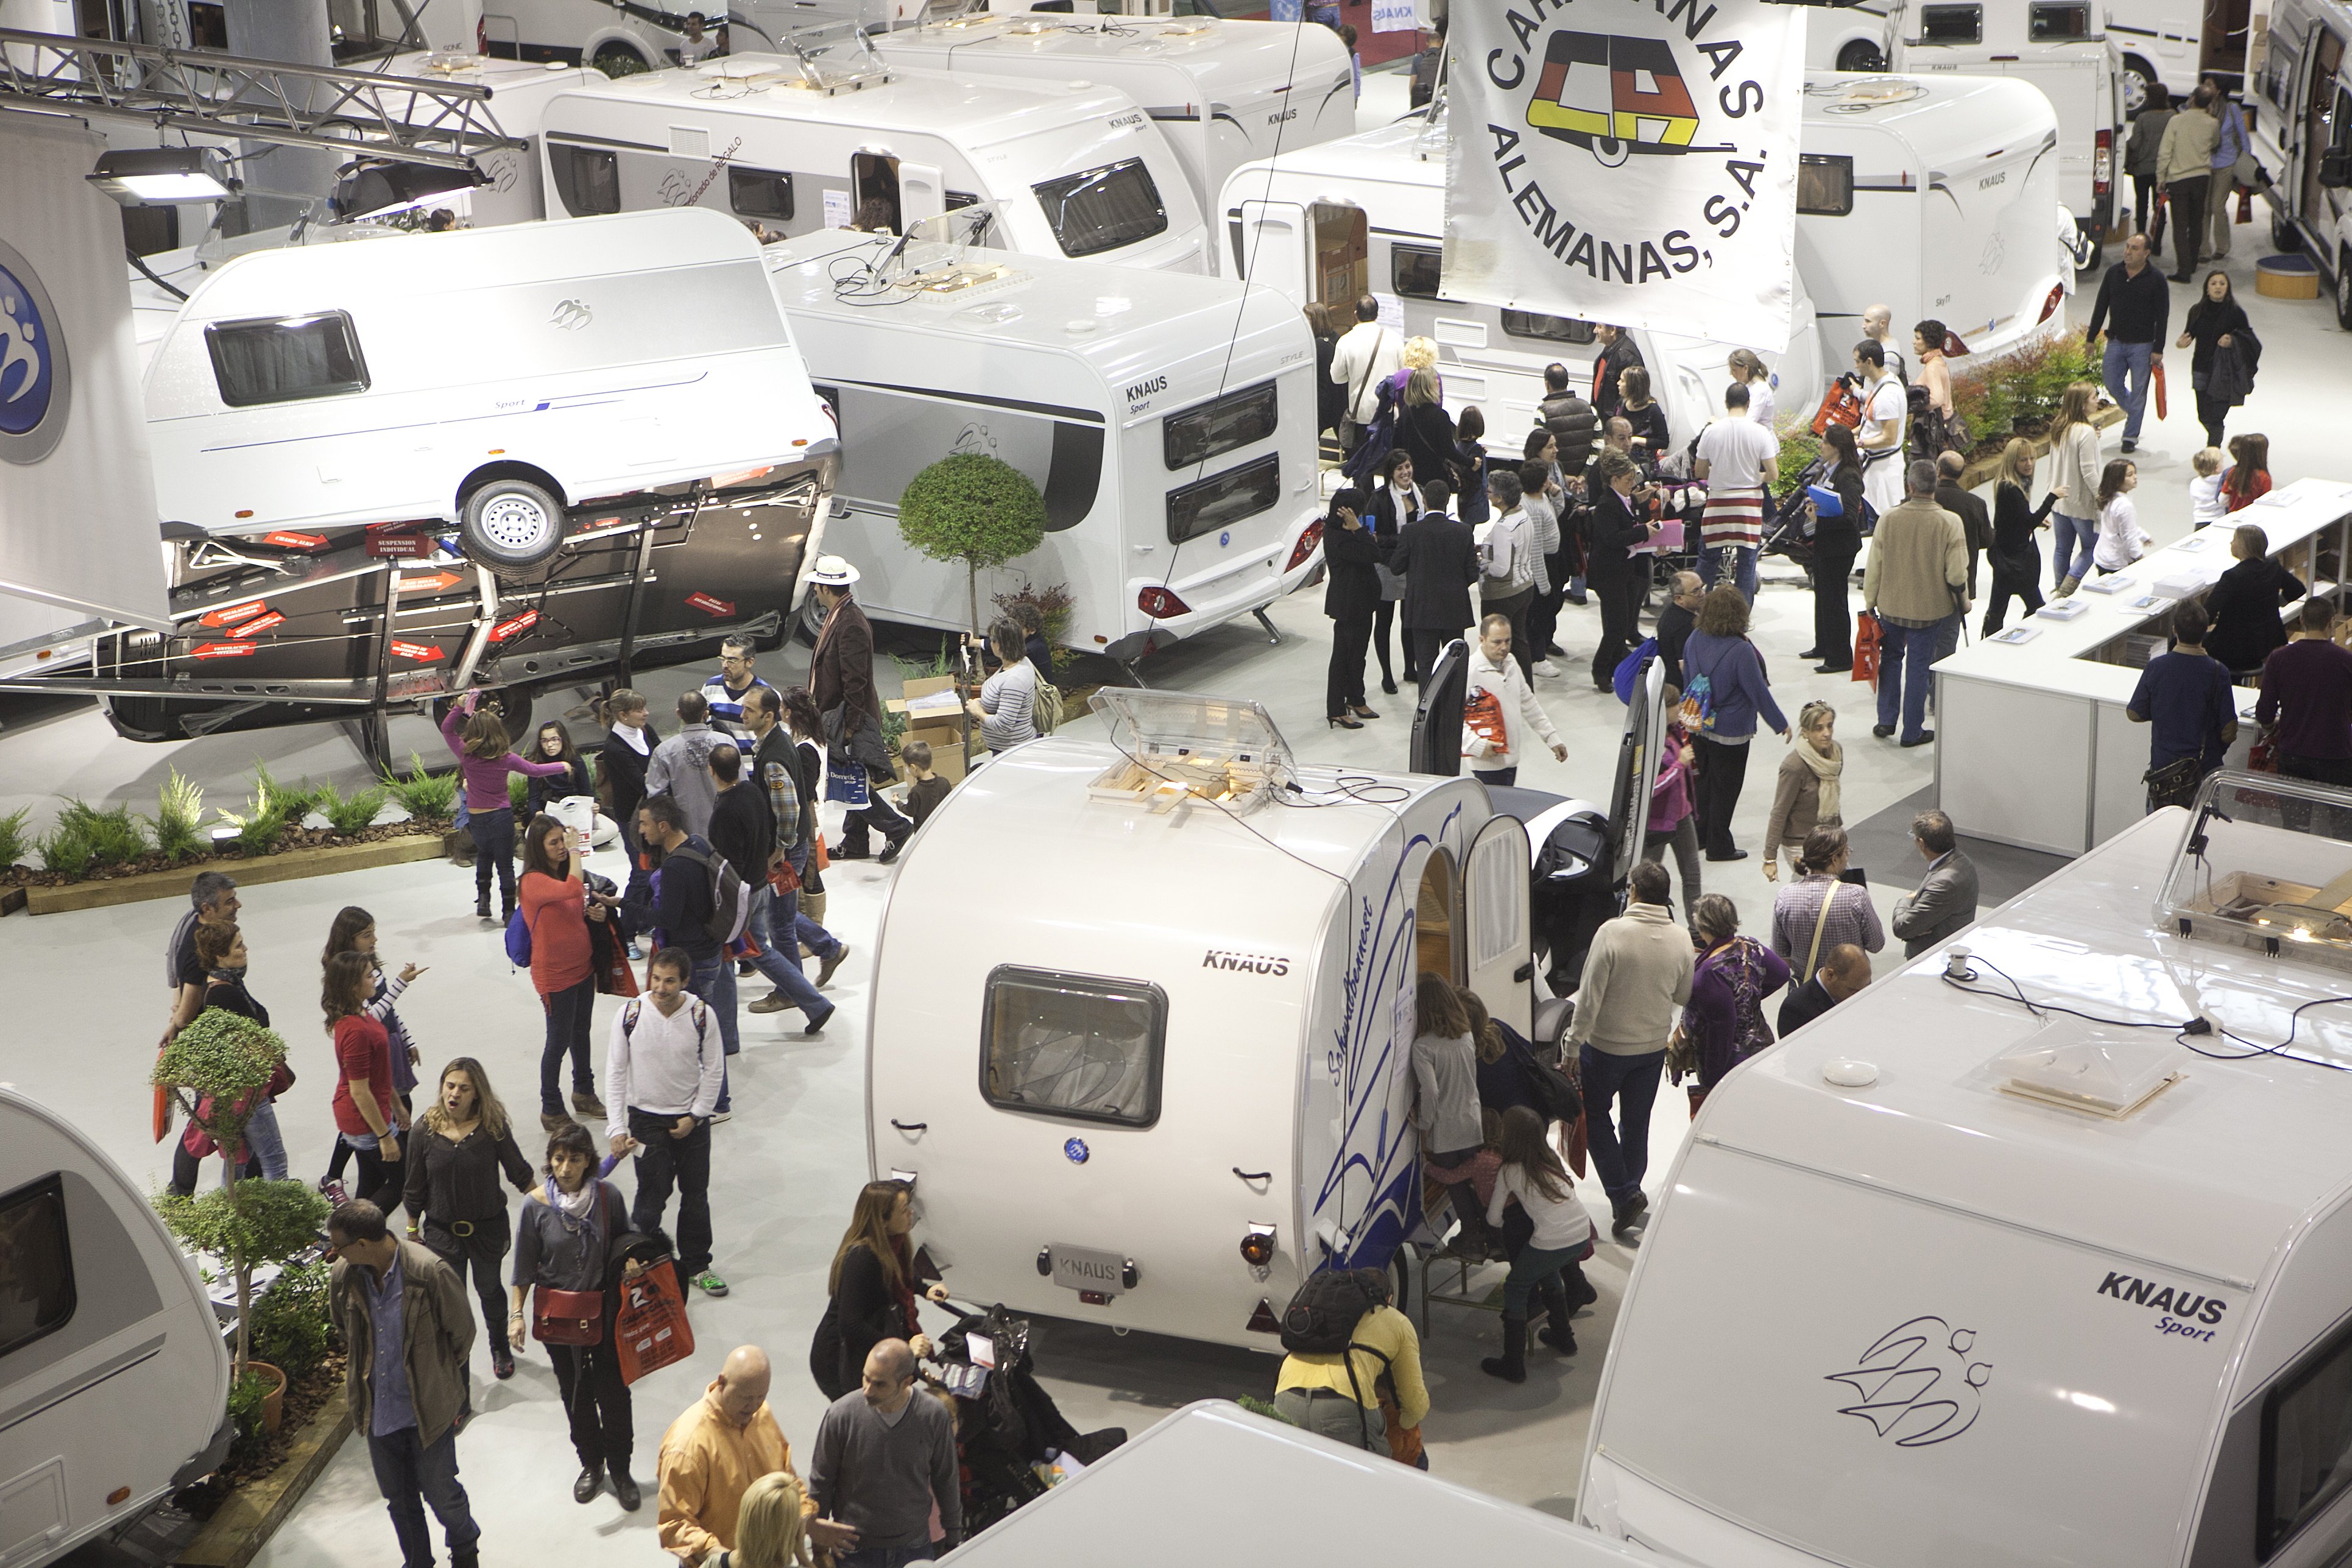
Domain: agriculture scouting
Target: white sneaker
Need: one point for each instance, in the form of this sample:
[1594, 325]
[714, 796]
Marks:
[1545, 667]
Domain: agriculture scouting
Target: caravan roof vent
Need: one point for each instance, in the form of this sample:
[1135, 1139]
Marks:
[1179, 746]
[2077, 1065]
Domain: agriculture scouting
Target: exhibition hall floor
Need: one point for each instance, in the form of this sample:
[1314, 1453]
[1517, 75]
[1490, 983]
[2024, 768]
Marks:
[86, 1005]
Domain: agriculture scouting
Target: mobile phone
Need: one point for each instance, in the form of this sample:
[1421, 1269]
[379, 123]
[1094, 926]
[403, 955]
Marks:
[1856, 875]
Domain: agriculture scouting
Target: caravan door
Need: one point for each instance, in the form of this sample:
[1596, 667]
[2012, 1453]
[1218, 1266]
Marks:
[922, 194]
[1496, 960]
[1271, 248]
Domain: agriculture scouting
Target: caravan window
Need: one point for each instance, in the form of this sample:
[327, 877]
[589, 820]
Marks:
[2051, 22]
[1952, 23]
[1824, 185]
[37, 1279]
[2306, 1445]
[1550, 328]
[1222, 500]
[1103, 209]
[1213, 429]
[286, 359]
[760, 193]
[587, 179]
[1073, 1045]
[1415, 271]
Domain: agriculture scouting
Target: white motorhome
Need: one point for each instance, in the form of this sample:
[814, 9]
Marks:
[1168, 421]
[114, 1381]
[797, 145]
[2059, 46]
[496, 378]
[2162, 43]
[2302, 96]
[1189, 1084]
[1939, 197]
[617, 37]
[515, 190]
[1221, 92]
[2016, 1285]
[1283, 1497]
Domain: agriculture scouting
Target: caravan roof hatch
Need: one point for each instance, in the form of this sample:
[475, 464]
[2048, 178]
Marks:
[1224, 751]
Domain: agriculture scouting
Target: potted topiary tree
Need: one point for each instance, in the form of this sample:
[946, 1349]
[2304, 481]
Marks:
[217, 1067]
[975, 509]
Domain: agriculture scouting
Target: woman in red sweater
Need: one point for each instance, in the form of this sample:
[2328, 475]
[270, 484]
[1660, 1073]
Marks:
[367, 1109]
[555, 906]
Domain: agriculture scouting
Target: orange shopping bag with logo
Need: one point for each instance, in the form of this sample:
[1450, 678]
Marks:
[650, 1328]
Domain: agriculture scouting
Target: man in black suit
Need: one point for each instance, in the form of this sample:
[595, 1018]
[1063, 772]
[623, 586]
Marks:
[1844, 969]
[1438, 559]
[1976, 524]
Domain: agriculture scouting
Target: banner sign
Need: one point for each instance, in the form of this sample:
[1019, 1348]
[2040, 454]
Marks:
[1395, 15]
[1634, 165]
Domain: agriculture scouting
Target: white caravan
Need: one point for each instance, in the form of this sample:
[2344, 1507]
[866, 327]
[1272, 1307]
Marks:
[114, 1381]
[1168, 421]
[1214, 1483]
[2302, 98]
[2060, 46]
[1167, 1076]
[1941, 1281]
[2162, 43]
[1067, 170]
[515, 191]
[1221, 92]
[1939, 197]
[1846, 38]
[496, 378]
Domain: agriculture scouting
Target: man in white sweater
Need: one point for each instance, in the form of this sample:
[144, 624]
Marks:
[1368, 355]
[662, 1074]
[1637, 972]
[1497, 708]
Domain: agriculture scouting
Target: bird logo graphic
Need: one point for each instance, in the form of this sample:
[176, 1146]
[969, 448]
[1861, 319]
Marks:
[1916, 1384]
[35, 396]
[571, 315]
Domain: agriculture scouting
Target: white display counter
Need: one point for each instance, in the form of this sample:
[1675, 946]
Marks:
[2031, 744]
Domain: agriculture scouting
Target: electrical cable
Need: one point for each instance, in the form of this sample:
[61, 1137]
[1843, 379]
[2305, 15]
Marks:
[152, 276]
[2181, 1032]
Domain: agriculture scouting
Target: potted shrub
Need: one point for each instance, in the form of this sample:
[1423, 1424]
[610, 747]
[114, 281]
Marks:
[217, 1067]
[975, 509]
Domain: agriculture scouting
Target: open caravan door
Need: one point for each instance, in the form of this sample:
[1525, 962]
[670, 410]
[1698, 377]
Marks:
[78, 526]
[1496, 962]
[1273, 241]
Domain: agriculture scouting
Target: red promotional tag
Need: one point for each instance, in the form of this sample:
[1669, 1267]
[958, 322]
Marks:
[425, 652]
[229, 614]
[221, 650]
[431, 583]
[710, 606]
[288, 541]
[254, 628]
[520, 623]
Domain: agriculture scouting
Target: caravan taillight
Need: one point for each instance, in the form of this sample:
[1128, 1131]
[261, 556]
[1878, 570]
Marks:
[2103, 163]
[1305, 549]
[2050, 306]
[1258, 1247]
[1160, 604]
[482, 36]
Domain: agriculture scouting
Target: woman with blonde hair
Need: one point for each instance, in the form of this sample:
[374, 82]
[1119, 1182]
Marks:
[2075, 480]
[872, 1287]
[450, 1184]
[2016, 556]
[769, 1532]
[1806, 794]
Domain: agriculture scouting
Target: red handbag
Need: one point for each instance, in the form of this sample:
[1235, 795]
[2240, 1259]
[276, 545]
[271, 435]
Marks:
[651, 1330]
[1866, 648]
[567, 1316]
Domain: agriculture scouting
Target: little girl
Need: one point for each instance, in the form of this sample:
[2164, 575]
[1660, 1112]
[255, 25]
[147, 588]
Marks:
[2121, 538]
[478, 741]
[354, 932]
[2205, 502]
[1532, 1174]
[2248, 477]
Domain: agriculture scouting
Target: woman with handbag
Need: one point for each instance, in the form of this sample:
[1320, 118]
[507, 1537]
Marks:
[1722, 1024]
[1394, 503]
[1673, 820]
[562, 1260]
[1819, 910]
[460, 1147]
[872, 1288]
[2016, 556]
[221, 950]
[555, 913]
[1724, 692]
[1837, 539]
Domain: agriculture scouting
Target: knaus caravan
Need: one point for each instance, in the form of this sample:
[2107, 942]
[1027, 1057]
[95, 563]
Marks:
[1168, 422]
[1221, 92]
[2018, 1285]
[1283, 1497]
[797, 144]
[2058, 45]
[113, 1380]
[2302, 96]
[1168, 1075]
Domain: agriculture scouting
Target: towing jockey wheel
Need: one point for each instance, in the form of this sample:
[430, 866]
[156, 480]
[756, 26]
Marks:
[510, 525]
[1609, 151]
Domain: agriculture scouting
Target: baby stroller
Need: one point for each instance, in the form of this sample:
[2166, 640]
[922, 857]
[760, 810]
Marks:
[1007, 1428]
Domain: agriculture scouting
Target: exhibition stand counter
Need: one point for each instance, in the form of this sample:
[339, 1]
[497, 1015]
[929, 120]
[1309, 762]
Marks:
[2032, 747]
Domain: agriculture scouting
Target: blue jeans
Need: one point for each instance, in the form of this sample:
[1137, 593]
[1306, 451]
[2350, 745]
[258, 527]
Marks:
[1620, 1150]
[886, 1556]
[494, 844]
[815, 937]
[568, 1015]
[1898, 648]
[779, 961]
[714, 981]
[2075, 538]
[263, 1142]
[2126, 369]
[411, 1475]
[1743, 576]
[1529, 1270]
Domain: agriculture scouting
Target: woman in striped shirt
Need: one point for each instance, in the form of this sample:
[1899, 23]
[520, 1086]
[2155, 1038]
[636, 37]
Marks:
[1007, 705]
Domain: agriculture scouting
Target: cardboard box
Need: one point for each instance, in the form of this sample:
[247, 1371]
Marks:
[938, 725]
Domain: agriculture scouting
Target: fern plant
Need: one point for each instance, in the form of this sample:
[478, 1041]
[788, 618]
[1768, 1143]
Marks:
[261, 827]
[178, 823]
[518, 794]
[66, 850]
[353, 814]
[113, 835]
[427, 796]
[14, 842]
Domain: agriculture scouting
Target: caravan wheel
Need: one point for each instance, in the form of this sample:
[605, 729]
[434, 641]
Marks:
[1861, 54]
[2137, 77]
[2344, 290]
[510, 525]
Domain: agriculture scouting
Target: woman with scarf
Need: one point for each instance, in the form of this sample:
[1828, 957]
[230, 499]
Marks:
[873, 1289]
[565, 1242]
[1722, 1024]
[1806, 794]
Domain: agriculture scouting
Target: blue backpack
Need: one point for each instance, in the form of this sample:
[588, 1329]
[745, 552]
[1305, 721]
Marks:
[518, 940]
[1629, 670]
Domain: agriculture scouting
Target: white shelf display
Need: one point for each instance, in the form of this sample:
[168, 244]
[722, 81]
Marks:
[2067, 686]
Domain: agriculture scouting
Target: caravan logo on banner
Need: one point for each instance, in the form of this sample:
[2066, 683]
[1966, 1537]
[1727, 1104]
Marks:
[1634, 165]
[36, 376]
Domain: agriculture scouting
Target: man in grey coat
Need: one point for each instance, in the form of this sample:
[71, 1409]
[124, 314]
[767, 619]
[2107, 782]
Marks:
[680, 766]
[1946, 901]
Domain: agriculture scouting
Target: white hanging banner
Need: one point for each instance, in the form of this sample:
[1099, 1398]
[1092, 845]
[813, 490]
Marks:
[1634, 165]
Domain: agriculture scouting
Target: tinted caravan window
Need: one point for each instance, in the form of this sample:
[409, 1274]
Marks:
[1223, 499]
[587, 179]
[1824, 185]
[1074, 1046]
[36, 1276]
[1103, 209]
[2306, 1445]
[1227, 425]
[1951, 24]
[1550, 328]
[1415, 271]
[2052, 22]
[286, 359]
[760, 193]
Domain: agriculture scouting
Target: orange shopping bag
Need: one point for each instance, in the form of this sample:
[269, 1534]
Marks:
[650, 1327]
[2158, 379]
[1866, 648]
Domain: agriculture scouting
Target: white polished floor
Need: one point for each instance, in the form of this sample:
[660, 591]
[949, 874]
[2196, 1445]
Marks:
[85, 1002]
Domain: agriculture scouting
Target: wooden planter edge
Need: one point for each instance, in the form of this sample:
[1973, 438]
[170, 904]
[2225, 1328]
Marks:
[1984, 471]
[232, 1537]
[284, 867]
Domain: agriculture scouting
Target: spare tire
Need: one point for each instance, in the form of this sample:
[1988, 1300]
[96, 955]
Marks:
[510, 525]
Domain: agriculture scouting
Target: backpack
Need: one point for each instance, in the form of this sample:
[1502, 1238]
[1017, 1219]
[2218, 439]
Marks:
[1378, 439]
[518, 940]
[1697, 712]
[1322, 1316]
[730, 902]
[1047, 715]
[636, 1009]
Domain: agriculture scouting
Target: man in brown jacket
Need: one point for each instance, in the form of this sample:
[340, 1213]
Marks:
[841, 679]
[1918, 579]
[407, 1325]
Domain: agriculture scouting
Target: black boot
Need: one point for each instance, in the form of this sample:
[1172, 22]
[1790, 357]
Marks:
[1580, 1293]
[482, 903]
[1556, 1331]
[506, 907]
[1512, 1365]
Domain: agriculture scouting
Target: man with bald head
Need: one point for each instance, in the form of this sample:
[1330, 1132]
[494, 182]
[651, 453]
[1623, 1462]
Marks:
[885, 1453]
[1845, 968]
[712, 1454]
